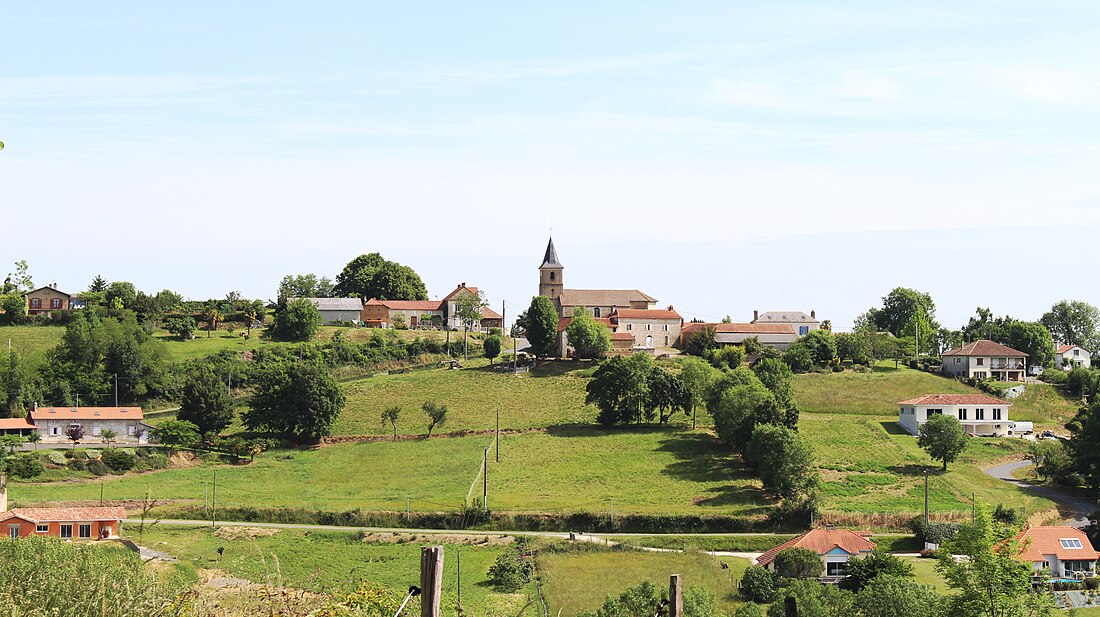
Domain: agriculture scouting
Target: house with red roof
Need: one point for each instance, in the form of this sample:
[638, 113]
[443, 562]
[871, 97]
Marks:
[91, 523]
[979, 414]
[429, 313]
[775, 335]
[54, 423]
[985, 360]
[1057, 551]
[652, 328]
[1066, 357]
[835, 547]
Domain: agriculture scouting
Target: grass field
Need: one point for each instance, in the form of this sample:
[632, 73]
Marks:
[572, 582]
[336, 561]
[31, 342]
[924, 571]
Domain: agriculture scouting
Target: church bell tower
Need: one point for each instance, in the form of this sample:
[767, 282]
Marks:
[550, 272]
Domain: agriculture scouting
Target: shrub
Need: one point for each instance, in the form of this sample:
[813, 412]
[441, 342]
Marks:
[798, 563]
[929, 553]
[26, 467]
[748, 610]
[759, 585]
[57, 458]
[92, 453]
[97, 467]
[78, 465]
[155, 461]
[934, 532]
[510, 572]
[1054, 377]
[1009, 516]
[119, 461]
[1092, 584]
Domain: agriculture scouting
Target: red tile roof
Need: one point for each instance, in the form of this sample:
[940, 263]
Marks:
[739, 328]
[408, 305]
[44, 515]
[645, 314]
[1065, 348]
[488, 313]
[1035, 542]
[462, 286]
[87, 413]
[11, 424]
[622, 336]
[986, 348]
[821, 541]
[954, 399]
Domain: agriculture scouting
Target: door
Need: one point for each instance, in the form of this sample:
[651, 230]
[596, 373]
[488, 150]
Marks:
[649, 340]
[13, 531]
[67, 531]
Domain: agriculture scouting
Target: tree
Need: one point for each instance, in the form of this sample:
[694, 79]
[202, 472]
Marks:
[9, 442]
[899, 307]
[748, 609]
[182, 328]
[18, 280]
[784, 460]
[176, 434]
[700, 341]
[777, 377]
[1074, 323]
[814, 600]
[989, 578]
[107, 435]
[75, 434]
[798, 563]
[943, 438]
[14, 383]
[437, 415]
[540, 324]
[468, 310]
[33, 438]
[589, 338]
[759, 585]
[983, 325]
[737, 410]
[13, 308]
[303, 286]
[620, 389]
[510, 571]
[1053, 462]
[860, 572]
[300, 400]
[667, 394]
[819, 346]
[853, 346]
[491, 346]
[371, 276]
[1085, 445]
[298, 320]
[98, 284]
[390, 416]
[1034, 339]
[212, 316]
[897, 596]
[205, 401]
[698, 376]
[121, 294]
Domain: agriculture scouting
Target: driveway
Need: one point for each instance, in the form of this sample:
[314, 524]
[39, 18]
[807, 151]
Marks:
[1076, 508]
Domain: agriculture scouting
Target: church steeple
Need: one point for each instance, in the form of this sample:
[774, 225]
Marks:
[550, 273]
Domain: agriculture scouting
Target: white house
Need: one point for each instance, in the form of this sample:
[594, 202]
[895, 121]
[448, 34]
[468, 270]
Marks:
[835, 547]
[801, 322]
[54, 422]
[1057, 551]
[985, 360]
[651, 328]
[1068, 356]
[979, 414]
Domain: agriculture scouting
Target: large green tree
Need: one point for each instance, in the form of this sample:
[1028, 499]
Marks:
[371, 276]
[468, 310]
[298, 320]
[814, 600]
[699, 377]
[667, 394]
[798, 563]
[1032, 338]
[300, 400]
[777, 377]
[13, 308]
[943, 438]
[589, 338]
[740, 408]
[783, 460]
[205, 401]
[620, 389]
[1074, 322]
[304, 286]
[860, 572]
[890, 595]
[540, 325]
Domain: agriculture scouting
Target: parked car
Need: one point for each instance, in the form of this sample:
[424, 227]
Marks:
[1022, 428]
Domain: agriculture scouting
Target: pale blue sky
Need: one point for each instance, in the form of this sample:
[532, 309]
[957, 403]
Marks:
[719, 156]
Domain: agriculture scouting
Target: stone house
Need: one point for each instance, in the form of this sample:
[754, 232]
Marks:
[799, 321]
[53, 422]
[598, 302]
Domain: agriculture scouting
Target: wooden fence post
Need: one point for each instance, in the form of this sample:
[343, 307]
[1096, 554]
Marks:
[431, 580]
[675, 596]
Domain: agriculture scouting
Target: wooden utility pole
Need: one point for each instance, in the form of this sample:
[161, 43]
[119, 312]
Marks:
[675, 596]
[485, 479]
[498, 433]
[431, 581]
[214, 502]
[926, 497]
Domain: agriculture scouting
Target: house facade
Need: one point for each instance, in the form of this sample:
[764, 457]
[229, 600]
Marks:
[777, 336]
[651, 328]
[984, 360]
[835, 547]
[1057, 551]
[334, 310]
[799, 321]
[415, 314]
[54, 422]
[980, 415]
[94, 523]
[16, 426]
[45, 300]
[1066, 357]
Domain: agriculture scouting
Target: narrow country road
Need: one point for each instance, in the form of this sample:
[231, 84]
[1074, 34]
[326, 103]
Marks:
[1076, 508]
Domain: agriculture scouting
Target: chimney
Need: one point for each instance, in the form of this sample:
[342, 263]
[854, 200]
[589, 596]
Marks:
[755, 314]
[3, 493]
[813, 314]
[35, 406]
[670, 308]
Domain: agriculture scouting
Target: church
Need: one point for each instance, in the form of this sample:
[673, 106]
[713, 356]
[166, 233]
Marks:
[629, 313]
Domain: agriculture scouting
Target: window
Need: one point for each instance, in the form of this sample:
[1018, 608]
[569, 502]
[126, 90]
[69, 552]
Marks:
[36, 303]
[979, 414]
[996, 414]
[552, 276]
[55, 430]
[1070, 543]
[835, 568]
[67, 531]
[96, 430]
[130, 430]
[85, 530]
[958, 360]
[13, 531]
[1076, 352]
[935, 412]
[666, 340]
[666, 329]
[981, 362]
[962, 414]
[55, 303]
[803, 330]
[648, 327]
[629, 326]
[42, 528]
[596, 312]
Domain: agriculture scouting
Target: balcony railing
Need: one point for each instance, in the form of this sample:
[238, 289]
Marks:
[1013, 366]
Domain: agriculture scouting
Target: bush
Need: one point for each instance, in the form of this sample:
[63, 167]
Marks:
[119, 461]
[78, 465]
[97, 467]
[933, 533]
[798, 563]
[1054, 377]
[57, 458]
[759, 585]
[155, 460]
[929, 553]
[26, 467]
[1092, 584]
[510, 572]
[92, 453]
[1009, 516]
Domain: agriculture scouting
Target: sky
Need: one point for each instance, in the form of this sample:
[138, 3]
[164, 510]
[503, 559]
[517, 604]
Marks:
[719, 156]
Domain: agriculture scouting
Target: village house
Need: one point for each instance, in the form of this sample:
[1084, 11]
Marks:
[598, 302]
[799, 321]
[415, 314]
[88, 523]
[54, 422]
[1066, 357]
[46, 300]
[1057, 552]
[651, 328]
[984, 360]
[835, 547]
[16, 426]
[775, 335]
[335, 310]
[980, 415]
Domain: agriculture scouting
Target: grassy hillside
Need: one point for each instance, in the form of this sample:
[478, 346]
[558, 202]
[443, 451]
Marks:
[573, 582]
[31, 342]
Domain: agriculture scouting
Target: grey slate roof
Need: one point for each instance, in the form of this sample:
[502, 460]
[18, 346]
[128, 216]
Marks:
[602, 297]
[784, 317]
[336, 304]
[550, 259]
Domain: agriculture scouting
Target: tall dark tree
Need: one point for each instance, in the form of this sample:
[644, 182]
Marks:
[1032, 338]
[540, 324]
[205, 401]
[371, 276]
[298, 320]
[943, 438]
[1074, 323]
[300, 400]
[667, 394]
[776, 377]
[620, 389]
[98, 285]
[784, 460]
[304, 286]
[588, 337]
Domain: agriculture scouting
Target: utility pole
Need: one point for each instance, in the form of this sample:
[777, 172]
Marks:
[676, 596]
[926, 497]
[612, 511]
[498, 433]
[206, 499]
[408, 513]
[214, 504]
[485, 479]
[116, 389]
[431, 580]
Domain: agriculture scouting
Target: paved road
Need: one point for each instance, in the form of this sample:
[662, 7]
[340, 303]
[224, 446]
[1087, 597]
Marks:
[1068, 505]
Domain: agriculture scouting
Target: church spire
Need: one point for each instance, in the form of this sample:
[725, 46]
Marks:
[550, 259]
